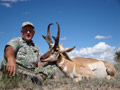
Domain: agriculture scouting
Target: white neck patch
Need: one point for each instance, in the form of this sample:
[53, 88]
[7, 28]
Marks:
[65, 69]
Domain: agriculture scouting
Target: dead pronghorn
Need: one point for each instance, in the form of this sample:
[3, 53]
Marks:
[75, 67]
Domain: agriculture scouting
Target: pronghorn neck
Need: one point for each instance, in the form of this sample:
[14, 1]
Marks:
[61, 64]
[60, 61]
[67, 66]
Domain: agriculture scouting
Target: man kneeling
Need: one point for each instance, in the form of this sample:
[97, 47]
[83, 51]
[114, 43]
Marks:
[22, 56]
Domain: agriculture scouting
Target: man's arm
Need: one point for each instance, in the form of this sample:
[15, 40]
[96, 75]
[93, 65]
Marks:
[10, 57]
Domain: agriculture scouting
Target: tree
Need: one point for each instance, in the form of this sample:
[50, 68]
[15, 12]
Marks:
[117, 56]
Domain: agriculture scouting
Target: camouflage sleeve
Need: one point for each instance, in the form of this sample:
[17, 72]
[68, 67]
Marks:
[14, 43]
[39, 54]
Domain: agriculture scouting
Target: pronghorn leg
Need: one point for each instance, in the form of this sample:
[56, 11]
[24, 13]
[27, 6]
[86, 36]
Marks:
[77, 79]
[87, 77]
[110, 77]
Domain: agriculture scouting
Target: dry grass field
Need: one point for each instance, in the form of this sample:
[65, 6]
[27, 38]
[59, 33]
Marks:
[61, 83]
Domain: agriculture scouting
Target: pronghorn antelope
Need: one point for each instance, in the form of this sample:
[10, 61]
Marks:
[77, 67]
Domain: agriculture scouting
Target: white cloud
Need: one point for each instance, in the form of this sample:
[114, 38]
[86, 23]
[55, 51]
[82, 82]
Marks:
[12, 0]
[64, 38]
[6, 4]
[102, 37]
[118, 49]
[100, 51]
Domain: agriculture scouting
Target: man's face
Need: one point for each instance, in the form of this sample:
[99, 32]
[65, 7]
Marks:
[27, 32]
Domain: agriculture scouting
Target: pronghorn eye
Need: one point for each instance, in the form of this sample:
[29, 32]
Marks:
[56, 50]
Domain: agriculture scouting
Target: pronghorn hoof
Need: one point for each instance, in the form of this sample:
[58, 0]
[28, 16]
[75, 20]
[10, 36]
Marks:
[108, 77]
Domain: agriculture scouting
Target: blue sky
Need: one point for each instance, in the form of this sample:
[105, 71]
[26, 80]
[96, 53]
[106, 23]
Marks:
[93, 26]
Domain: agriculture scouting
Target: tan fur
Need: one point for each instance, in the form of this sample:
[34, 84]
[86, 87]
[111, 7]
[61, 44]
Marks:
[110, 68]
[82, 69]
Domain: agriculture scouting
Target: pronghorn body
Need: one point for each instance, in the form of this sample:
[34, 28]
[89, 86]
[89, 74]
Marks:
[85, 67]
[79, 67]
[75, 67]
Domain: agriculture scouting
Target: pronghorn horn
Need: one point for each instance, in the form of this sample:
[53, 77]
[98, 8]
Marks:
[57, 37]
[48, 38]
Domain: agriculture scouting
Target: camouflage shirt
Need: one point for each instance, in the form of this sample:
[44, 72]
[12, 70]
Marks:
[27, 55]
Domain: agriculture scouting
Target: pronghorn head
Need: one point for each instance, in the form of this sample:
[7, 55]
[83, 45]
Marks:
[55, 50]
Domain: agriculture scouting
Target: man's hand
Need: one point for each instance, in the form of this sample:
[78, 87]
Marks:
[40, 64]
[11, 64]
[11, 67]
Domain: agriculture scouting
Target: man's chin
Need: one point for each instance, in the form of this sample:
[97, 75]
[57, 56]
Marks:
[28, 39]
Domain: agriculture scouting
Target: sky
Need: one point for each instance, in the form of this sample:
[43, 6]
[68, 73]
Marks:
[93, 26]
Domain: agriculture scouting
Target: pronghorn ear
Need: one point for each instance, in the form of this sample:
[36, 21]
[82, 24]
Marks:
[66, 56]
[64, 52]
[61, 44]
[67, 49]
[70, 49]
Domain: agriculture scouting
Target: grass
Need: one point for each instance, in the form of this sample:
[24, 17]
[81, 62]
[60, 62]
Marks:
[60, 83]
